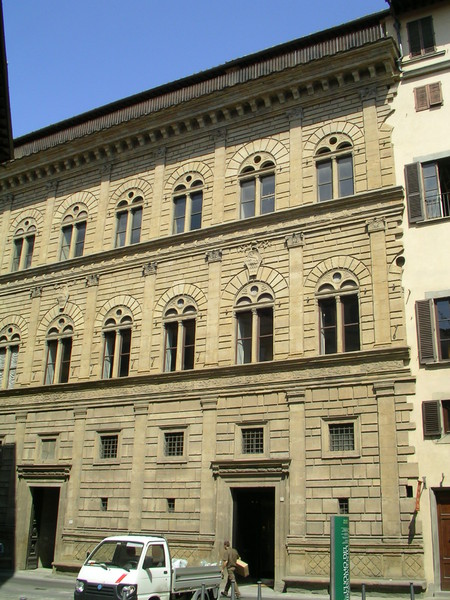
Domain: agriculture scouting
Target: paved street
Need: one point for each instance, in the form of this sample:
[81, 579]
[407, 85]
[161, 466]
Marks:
[40, 584]
[43, 584]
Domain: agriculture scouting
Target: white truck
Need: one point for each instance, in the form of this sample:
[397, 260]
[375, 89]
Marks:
[139, 567]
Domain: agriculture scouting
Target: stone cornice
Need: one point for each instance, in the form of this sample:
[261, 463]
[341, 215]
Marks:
[248, 468]
[351, 209]
[50, 471]
[293, 88]
[380, 365]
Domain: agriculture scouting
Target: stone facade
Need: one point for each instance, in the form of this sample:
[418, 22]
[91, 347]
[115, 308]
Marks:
[185, 451]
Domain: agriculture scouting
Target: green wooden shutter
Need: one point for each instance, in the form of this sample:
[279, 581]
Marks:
[424, 321]
[431, 418]
[413, 174]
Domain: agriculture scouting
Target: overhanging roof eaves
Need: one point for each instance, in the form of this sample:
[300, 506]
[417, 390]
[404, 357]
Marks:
[404, 6]
[6, 143]
[55, 131]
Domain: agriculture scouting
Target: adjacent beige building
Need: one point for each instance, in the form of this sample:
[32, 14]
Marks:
[202, 324]
[422, 164]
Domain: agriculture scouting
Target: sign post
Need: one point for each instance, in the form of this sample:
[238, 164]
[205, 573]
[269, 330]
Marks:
[340, 558]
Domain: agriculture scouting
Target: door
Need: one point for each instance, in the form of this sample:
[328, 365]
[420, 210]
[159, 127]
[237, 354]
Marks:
[443, 515]
[42, 533]
[154, 576]
[254, 530]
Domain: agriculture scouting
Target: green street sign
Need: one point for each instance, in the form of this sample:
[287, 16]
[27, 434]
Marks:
[340, 558]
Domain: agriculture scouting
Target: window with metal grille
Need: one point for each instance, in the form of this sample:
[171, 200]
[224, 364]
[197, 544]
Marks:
[174, 443]
[108, 446]
[342, 436]
[343, 506]
[253, 440]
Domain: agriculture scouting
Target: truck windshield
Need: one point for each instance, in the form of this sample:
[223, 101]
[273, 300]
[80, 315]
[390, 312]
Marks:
[120, 554]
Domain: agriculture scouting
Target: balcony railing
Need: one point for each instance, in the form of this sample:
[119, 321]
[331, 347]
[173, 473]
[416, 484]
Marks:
[438, 206]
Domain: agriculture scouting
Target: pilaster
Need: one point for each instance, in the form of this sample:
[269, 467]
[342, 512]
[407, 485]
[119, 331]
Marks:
[295, 244]
[99, 240]
[73, 484]
[219, 137]
[295, 117]
[208, 488]
[46, 236]
[149, 272]
[371, 133]
[381, 309]
[214, 260]
[158, 193]
[92, 282]
[389, 472]
[138, 466]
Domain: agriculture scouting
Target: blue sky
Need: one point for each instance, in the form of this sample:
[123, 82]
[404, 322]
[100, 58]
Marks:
[66, 57]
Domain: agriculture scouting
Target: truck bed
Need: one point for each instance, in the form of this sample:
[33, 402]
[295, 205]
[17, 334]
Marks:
[191, 578]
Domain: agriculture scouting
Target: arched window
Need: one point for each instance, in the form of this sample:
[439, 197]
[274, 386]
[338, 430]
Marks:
[334, 167]
[73, 232]
[338, 304]
[117, 343]
[179, 334]
[257, 184]
[59, 351]
[129, 219]
[9, 354]
[188, 203]
[23, 245]
[254, 324]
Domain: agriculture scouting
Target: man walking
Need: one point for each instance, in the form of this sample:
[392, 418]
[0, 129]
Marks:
[229, 558]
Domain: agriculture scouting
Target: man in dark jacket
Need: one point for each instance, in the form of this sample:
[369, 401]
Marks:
[229, 558]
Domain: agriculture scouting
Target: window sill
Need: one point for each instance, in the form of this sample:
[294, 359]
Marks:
[412, 60]
[176, 460]
[106, 462]
[430, 221]
[441, 364]
[343, 454]
[445, 439]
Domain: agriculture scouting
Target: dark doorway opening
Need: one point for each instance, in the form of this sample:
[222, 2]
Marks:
[42, 536]
[254, 530]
